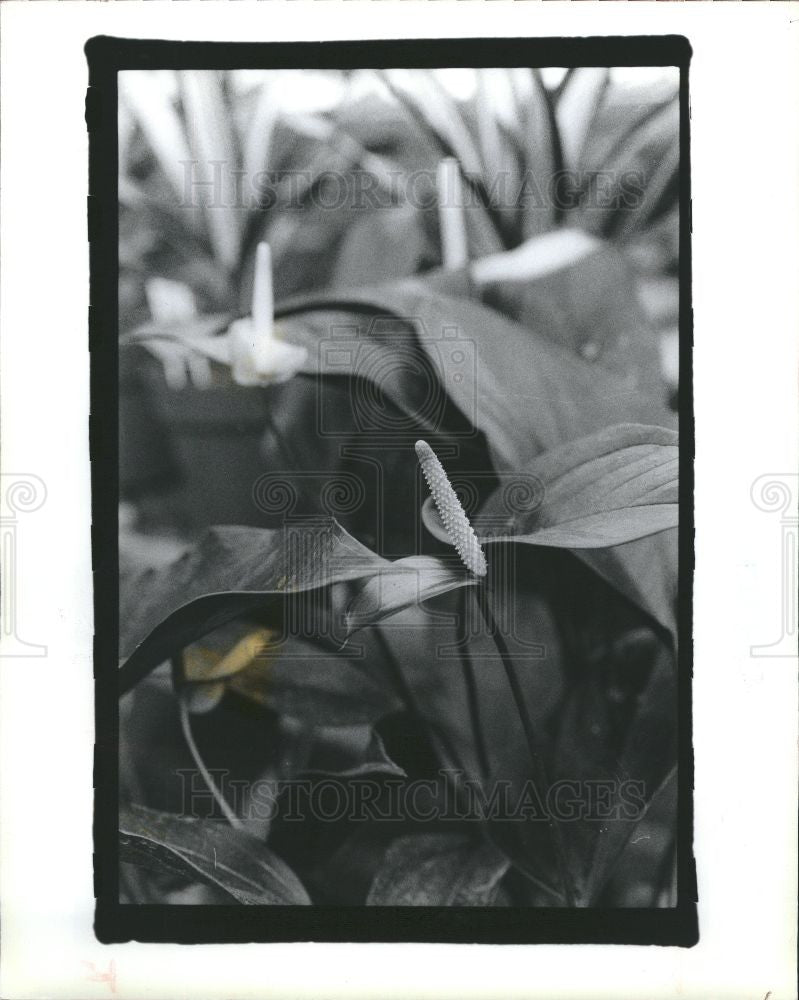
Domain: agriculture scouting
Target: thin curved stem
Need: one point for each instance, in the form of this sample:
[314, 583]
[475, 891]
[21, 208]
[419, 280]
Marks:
[185, 725]
[178, 680]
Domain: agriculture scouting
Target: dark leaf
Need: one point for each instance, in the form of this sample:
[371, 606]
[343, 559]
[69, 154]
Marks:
[350, 752]
[209, 852]
[345, 877]
[608, 535]
[533, 394]
[317, 687]
[432, 655]
[646, 571]
[438, 870]
[231, 571]
[635, 777]
[629, 869]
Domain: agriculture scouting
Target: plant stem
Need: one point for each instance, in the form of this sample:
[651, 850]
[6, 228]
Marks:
[472, 694]
[539, 768]
[178, 679]
[185, 725]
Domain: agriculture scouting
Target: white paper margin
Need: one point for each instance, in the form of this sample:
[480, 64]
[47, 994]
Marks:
[744, 88]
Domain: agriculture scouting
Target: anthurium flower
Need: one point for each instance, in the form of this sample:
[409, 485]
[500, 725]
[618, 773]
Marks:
[256, 356]
[610, 497]
[251, 347]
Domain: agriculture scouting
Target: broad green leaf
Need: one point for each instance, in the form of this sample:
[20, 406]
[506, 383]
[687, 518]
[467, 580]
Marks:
[431, 645]
[344, 877]
[209, 852]
[632, 753]
[400, 585]
[604, 764]
[582, 294]
[524, 392]
[318, 688]
[231, 571]
[438, 870]
[601, 490]
[648, 757]
[620, 839]
[524, 409]
[646, 571]
[597, 496]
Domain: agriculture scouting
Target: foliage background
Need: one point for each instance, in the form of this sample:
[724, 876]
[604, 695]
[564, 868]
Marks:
[609, 659]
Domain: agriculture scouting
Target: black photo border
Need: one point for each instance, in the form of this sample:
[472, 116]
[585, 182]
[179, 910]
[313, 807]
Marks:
[117, 922]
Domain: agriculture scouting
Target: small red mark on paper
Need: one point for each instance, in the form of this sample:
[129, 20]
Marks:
[96, 976]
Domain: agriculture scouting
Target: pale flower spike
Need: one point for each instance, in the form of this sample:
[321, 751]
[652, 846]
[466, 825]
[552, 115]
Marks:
[452, 514]
[257, 357]
[263, 301]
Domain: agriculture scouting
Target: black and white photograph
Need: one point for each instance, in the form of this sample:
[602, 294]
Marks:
[399, 506]
[398, 503]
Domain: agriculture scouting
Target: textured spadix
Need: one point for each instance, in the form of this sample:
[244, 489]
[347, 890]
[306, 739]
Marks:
[450, 510]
